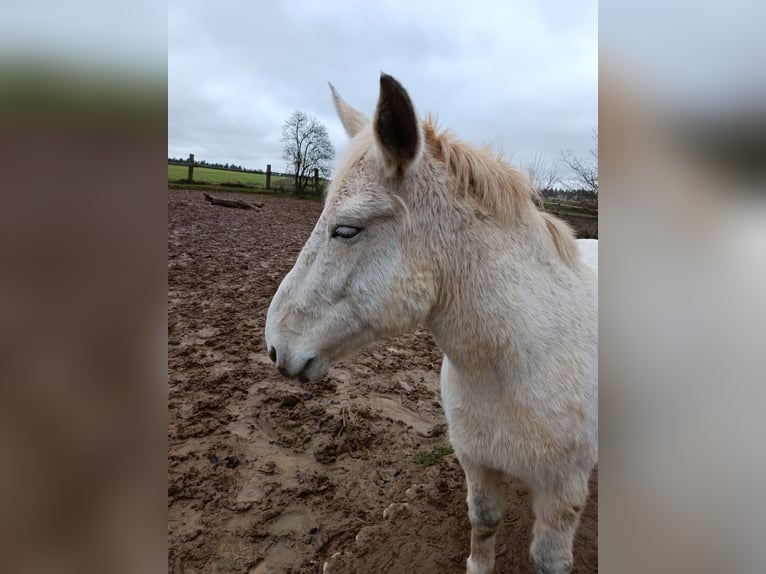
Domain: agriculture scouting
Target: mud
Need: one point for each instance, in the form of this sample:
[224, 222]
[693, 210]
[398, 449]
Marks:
[346, 474]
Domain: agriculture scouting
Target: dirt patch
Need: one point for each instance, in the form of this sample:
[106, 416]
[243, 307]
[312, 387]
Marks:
[267, 475]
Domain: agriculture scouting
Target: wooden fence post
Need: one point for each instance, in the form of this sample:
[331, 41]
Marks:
[268, 176]
[191, 167]
[316, 180]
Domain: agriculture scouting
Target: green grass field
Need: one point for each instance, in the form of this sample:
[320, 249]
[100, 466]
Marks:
[219, 176]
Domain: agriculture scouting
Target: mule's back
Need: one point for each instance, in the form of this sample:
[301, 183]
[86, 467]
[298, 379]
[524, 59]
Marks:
[589, 253]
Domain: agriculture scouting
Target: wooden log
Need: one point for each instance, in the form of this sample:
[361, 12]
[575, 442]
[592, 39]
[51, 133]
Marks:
[235, 203]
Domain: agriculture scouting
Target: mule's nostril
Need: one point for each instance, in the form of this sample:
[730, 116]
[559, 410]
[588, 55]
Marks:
[273, 354]
[306, 366]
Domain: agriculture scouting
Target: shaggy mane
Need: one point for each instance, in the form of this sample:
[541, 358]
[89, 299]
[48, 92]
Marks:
[504, 192]
[563, 237]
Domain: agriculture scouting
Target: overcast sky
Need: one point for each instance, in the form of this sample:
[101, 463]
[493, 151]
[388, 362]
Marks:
[521, 76]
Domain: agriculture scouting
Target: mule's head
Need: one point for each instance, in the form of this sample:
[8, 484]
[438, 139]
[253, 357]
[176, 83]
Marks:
[361, 275]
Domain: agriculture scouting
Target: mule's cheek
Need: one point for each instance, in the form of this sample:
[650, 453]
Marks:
[409, 301]
[341, 331]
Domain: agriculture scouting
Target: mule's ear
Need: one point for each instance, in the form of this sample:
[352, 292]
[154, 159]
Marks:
[353, 120]
[397, 129]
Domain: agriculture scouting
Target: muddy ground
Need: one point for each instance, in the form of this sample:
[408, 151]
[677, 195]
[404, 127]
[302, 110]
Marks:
[267, 475]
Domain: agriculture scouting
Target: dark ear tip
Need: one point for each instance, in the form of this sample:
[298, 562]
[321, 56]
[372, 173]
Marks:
[388, 81]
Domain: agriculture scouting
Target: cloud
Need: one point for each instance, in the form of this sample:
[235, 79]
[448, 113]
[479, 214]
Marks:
[521, 77]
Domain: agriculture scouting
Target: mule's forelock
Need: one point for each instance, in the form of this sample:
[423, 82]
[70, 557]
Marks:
[397, 130]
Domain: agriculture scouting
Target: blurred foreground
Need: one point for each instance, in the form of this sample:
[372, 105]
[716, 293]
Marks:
[83, 485]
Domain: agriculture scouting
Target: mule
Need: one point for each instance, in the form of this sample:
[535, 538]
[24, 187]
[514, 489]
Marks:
[421, 229]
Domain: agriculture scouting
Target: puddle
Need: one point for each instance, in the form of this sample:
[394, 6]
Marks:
[279, 557]
[220, 369]
[295, 519]
[251, 492]
[392, 409]
[272, 460]
[240, 429]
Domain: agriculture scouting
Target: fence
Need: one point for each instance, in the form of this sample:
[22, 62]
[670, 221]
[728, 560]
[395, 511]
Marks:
[268, 173]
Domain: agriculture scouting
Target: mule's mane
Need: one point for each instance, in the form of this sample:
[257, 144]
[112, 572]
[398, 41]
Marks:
[504, 192]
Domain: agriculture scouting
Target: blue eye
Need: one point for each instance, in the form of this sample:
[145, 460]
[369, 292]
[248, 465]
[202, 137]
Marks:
[346, 231]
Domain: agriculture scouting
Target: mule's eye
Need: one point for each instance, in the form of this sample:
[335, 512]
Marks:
[346, 231]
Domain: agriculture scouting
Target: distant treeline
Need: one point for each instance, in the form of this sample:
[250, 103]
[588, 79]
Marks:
[573, 194]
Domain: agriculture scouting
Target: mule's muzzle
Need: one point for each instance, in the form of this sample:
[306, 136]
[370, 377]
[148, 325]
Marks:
[302, 368]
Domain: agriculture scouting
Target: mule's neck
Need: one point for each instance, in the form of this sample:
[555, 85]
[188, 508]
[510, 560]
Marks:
[490, 280]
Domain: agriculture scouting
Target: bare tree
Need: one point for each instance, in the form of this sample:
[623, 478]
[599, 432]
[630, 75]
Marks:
[544, 175]
[307, 147]
[584, 169]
